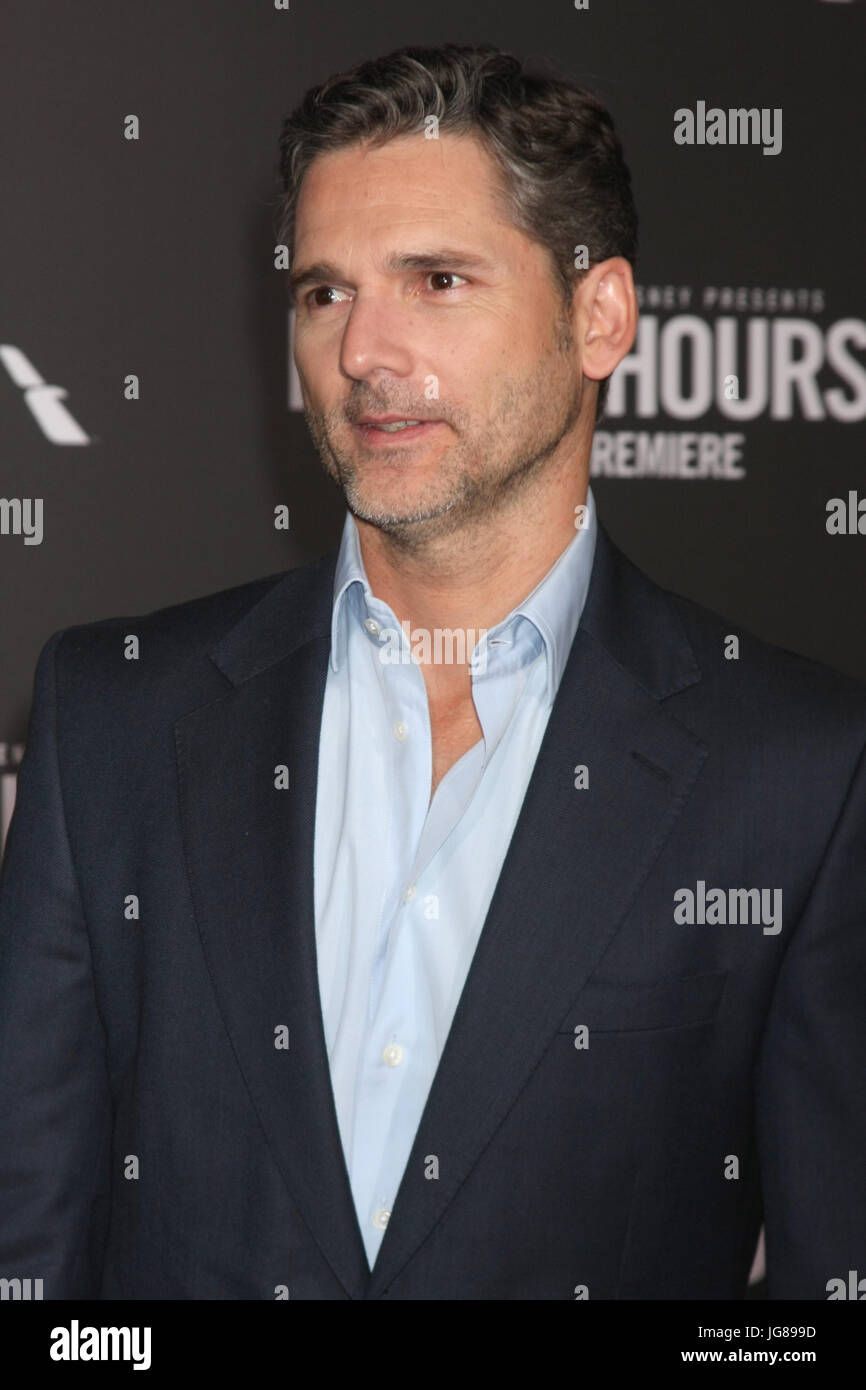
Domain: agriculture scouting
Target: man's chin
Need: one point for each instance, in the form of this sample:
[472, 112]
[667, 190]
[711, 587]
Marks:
[403, 516]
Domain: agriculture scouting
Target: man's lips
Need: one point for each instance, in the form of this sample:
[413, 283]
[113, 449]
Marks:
[368, 428]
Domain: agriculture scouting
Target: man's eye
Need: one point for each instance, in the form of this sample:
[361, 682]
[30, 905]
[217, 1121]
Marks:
[312, 297]
[444, 275]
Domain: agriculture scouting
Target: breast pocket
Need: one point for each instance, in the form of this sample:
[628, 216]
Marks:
[614, 1006]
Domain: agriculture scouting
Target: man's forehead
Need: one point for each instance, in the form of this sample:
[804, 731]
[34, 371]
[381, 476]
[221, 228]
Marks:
[396, 199]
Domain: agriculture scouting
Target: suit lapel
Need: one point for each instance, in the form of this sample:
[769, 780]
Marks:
[575, 863]
[249, 848]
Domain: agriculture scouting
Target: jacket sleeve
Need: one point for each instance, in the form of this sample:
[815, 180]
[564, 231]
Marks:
[811, 1083]
[55, 1110]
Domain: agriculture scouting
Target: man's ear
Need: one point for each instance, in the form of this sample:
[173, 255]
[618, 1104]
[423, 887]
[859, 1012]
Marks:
[607, 314]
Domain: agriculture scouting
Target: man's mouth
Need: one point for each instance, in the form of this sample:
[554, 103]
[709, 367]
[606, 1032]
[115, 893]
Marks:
[376, 431]
[395, 425]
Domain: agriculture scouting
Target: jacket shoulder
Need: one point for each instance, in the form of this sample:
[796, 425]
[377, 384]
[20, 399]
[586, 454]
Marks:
[709, 632]
[770, 687]
[715, 667]
[193, 624]
[168, 669]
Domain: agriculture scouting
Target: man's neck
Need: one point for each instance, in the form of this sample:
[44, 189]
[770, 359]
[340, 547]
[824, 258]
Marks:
[473, 578]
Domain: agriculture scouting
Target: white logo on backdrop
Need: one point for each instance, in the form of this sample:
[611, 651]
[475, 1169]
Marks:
[44, 402]
[10, 758]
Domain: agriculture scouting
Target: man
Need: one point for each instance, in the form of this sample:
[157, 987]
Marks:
[332, 968]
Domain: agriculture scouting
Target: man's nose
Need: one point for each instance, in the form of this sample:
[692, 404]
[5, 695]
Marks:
[377, 337]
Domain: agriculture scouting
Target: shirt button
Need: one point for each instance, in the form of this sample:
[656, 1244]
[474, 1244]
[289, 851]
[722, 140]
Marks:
[393, 1055]
[372, 627]
[410, 893]
[380, 1218]
[400, 730]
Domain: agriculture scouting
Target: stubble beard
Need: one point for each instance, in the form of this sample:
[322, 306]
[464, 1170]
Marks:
[529, 419]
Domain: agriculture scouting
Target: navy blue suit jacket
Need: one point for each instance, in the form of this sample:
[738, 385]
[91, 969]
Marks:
[155, 1143]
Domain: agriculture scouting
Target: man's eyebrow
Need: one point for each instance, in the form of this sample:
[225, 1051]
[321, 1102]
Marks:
[444, 257]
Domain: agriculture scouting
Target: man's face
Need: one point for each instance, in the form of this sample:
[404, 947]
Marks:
[423, 304]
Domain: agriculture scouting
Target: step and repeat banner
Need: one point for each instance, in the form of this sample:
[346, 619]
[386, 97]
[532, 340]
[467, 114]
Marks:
[153, 443]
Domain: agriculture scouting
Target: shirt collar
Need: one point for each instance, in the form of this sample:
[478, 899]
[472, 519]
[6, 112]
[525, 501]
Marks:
[553, 607]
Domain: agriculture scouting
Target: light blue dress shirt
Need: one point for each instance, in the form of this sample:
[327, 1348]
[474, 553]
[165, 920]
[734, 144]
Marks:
[402, 885]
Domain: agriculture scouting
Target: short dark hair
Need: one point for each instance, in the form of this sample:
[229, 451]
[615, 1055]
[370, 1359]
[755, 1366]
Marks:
[564, 180]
